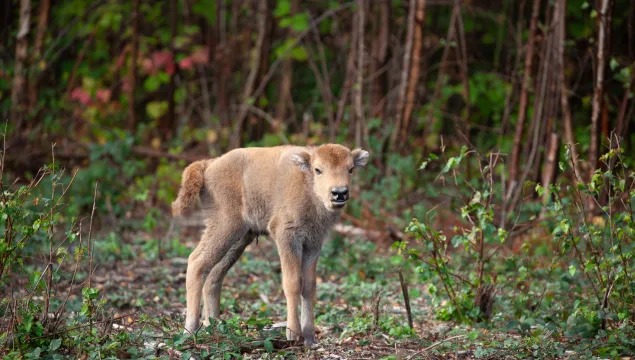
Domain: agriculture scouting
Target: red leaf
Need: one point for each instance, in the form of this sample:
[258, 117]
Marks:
[186, 63]
[125, 84]
[201, 55]
[103, 95]
[146, 66]
[170, 68]
[120, 60]
[161, 58]
[80, 95]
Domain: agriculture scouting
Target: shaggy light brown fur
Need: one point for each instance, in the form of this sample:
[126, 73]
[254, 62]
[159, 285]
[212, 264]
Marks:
[291, 193]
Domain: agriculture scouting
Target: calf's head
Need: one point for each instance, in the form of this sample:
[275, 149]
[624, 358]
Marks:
[331, 166]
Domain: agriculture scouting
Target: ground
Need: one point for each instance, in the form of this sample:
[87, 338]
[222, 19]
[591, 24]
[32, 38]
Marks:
[360, 309]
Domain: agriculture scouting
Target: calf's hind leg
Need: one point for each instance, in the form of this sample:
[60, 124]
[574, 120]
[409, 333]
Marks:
[214, 282]
[216, 241]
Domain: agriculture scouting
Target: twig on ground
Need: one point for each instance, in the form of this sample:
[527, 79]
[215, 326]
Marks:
[406, 298]
[435, 345]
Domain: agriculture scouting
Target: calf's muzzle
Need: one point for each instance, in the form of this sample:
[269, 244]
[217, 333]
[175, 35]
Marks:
[339, 195]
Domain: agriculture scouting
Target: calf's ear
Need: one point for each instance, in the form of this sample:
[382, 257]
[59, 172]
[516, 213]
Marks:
[302, 159]
[360, 157]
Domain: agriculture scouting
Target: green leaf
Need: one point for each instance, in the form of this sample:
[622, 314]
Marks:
[156, 109]
[299, 53]
[283, 8]
[207, 9]
[452, 164]
[90, 293]
[152, 83]
[285, 22]
[571, 270]
[300, 22]
[396, 260]
[268, 345]
[54, 345]
[432, 290]
[539, 190]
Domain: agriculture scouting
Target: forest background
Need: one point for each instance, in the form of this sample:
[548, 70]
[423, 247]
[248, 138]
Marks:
[497, 206]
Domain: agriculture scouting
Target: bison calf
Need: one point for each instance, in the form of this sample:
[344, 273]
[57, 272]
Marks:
[293, 194]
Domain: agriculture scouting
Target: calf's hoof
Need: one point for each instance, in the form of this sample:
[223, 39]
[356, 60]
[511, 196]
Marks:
[191, 328]
[310, 342]
[291, 335]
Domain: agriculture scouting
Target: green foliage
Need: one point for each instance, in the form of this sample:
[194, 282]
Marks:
[583, 261]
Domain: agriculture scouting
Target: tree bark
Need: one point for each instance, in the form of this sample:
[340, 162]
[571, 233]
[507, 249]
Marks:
[549, 166]
[42, 24]
[415, 67]
[132, 85]
[379, 50]
[523, 102]
[223, 68]
[564, 91]
[6, 21]
[18, 106]
[286, 79]
[168, 121]
[405, 72]
[622, 120]
[257, 127]
[359, 91]
[598, 92]
[450, 36]
[348, 81]
[263, 9]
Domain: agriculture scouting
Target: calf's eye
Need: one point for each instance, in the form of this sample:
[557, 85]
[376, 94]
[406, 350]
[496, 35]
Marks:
[318, 171]
[350, 171]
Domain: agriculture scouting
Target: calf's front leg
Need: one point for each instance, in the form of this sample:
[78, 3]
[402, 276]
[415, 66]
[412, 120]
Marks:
[308, 302]
[292, 285]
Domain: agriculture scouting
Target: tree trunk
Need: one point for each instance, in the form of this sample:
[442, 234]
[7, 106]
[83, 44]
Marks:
[514, 163]
[549, 167]
[359, 91]
[286, 79]
[598, 92]
[379, 50]
[405, 73]
[132, 85]
[621, 124]
[450, 36]
[42, 24]
[415, 66]
[564, 91]
[6, 21]
[257, 126]
[223, 67]
[263, 10]
[168, 121]
[348, 81]
[18, 106]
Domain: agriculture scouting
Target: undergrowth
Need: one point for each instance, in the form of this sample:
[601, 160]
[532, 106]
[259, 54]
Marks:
[546, 279]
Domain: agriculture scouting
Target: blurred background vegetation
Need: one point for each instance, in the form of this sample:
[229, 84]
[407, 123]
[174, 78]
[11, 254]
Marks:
[508, 119]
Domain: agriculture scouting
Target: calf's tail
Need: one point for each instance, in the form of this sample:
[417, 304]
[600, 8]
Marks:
[192, 183]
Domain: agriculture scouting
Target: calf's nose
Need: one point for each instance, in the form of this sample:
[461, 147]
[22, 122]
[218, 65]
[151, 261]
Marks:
[340, 193]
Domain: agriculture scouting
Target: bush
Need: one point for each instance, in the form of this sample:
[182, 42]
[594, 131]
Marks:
[572, 271]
